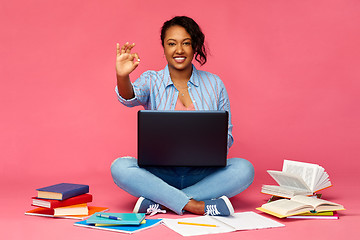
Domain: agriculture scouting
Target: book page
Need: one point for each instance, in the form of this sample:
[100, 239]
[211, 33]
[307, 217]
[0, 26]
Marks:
[324, 182]
[318, 204]
[289, 180]
[287, 207]
[308, 171]
[313, 201]
[283, 191]
[320, 174]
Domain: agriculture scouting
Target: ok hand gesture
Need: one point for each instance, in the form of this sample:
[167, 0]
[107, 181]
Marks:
[125, 63]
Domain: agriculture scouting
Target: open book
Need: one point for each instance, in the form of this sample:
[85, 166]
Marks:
[297, 178]
[298, 204]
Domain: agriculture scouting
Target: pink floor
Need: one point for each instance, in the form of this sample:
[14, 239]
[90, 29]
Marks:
[16, 196]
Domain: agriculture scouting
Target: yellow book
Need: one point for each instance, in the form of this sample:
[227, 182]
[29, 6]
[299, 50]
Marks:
[328, 213]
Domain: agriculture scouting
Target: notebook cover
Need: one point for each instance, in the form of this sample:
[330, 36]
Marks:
[67, 190]
[50, 203]
[127, 219]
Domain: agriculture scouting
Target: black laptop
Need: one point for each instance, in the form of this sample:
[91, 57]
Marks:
[182, 138]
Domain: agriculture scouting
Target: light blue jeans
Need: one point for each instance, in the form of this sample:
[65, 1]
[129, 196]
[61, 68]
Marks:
[173, 187]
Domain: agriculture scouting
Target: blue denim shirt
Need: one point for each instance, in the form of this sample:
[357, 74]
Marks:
[154, 90]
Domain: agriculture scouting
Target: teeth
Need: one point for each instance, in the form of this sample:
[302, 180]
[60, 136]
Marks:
[179, 59]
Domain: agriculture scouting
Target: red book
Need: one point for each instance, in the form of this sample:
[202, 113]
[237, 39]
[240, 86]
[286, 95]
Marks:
[49, 203]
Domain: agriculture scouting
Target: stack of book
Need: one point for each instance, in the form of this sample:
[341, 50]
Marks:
[64, 200]
[119, 222]
[295, 196]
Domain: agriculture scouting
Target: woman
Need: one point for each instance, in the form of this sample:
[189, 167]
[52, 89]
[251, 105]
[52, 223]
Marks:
[179, 86]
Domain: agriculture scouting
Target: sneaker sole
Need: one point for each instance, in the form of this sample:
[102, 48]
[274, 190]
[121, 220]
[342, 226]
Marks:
[138, 204]
[228, 204]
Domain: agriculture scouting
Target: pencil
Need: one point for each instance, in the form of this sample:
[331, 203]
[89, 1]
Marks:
[108, 216]
[198, 224]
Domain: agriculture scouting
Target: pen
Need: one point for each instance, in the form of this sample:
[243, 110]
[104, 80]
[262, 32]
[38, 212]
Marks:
[108, 216]
[198, 224]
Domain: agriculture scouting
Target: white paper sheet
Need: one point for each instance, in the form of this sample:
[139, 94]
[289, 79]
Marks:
[239, 221]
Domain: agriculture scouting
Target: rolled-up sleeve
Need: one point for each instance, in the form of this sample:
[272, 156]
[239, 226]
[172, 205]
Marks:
[141, 89]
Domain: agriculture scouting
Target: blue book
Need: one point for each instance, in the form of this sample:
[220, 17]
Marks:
[122, 218]
[122, 228]
[62, 191]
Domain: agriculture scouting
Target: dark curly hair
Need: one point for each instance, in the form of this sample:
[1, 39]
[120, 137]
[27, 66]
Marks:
[197, 36]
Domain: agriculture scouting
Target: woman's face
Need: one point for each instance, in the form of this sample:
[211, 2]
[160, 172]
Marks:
[178, 49]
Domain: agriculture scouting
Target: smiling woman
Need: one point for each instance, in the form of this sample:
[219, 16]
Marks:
[180, 86]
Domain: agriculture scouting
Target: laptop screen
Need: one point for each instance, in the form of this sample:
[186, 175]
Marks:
[182, 138]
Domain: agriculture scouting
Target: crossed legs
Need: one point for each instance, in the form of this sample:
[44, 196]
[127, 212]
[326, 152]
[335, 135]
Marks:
[182, 188]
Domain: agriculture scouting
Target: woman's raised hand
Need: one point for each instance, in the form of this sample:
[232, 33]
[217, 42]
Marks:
[126, 62]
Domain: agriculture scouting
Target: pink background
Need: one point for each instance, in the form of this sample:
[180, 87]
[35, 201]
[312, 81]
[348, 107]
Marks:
[290, 67]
